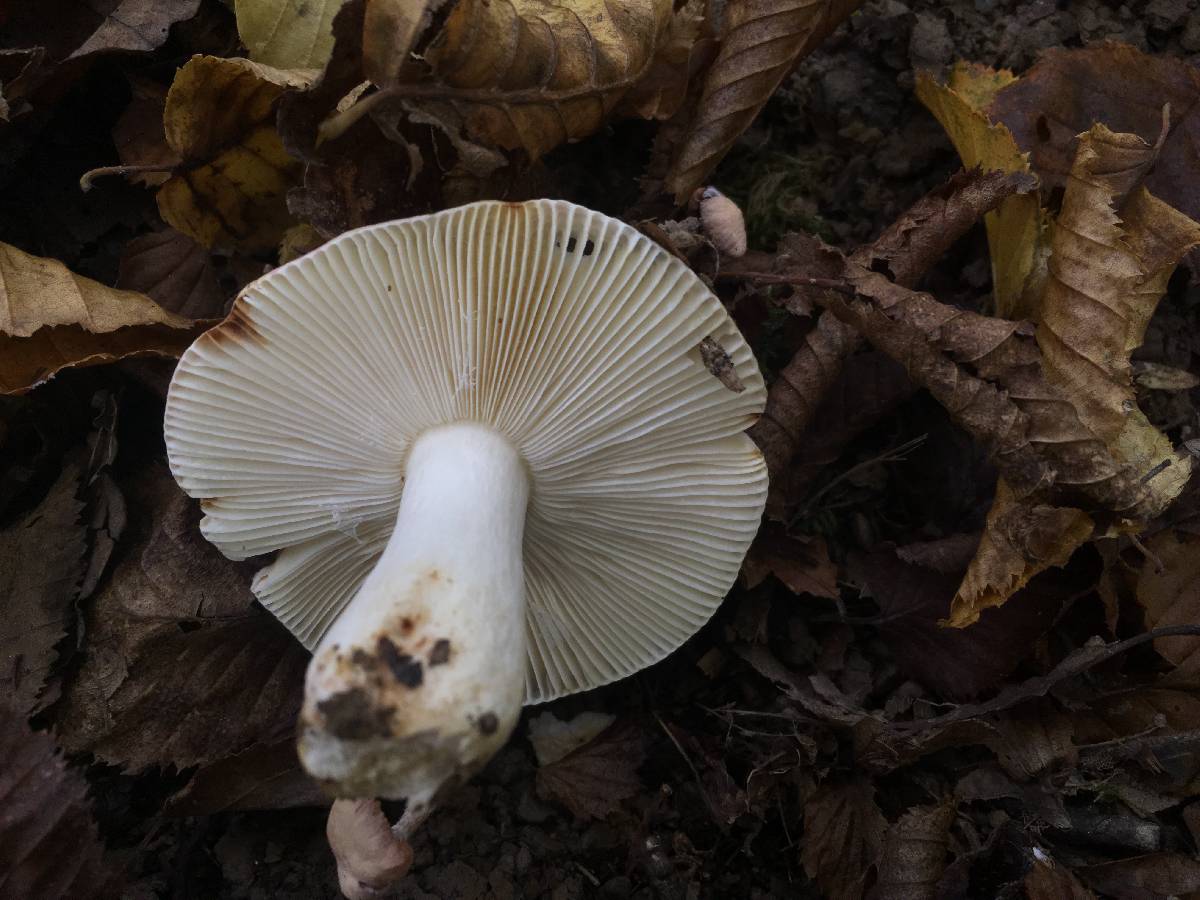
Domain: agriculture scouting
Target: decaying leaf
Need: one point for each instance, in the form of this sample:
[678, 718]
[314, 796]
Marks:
[287, 34]
[49, 845]
[760, 45]
[52, 319]
[661, 91]
[390, 28]
[229, 191]
[139, 135]
[530, 74]
[1015, 228]
[843, 836]
[1070, 89]
[592, 780]
[175, 272]
[137, 26]
[914, 854]
[802, 564]
[266, 776]
[41, 566]
[1051, 881]
[180, 668]
[1170, 595]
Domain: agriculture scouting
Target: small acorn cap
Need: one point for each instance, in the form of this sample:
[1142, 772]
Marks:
[565, 331]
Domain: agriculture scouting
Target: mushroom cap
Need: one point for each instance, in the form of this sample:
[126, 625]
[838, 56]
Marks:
[565, 330]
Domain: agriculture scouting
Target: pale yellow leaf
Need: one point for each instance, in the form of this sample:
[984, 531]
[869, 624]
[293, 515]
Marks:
[288, 34]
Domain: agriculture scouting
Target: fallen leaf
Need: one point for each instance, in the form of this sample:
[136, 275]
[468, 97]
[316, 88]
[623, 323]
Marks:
[266, 776]
[1015, 228]
[1168, 589]
[139, 136]
[527, 74]
[52, 319]
[287, 34]
[1114, 246]
[802, 564]
[41, 566]
[390, 28]
[1034, 739]
[181, 668]
[842, 839]
[137, 26]
[662, 89]
[1070, 89]
[552, 738]
[1051, 881]
[761, 43]
[913, 855]
[49, 845]
[1156, 876]
[175, 272]
[230, 190]
[1158, 377]
[914, 587]
[592, 780]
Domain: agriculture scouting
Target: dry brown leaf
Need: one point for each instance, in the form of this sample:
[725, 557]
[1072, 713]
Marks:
[1051, 881]
[137, 26]
[266, 776]
[1070, 89]
[1156, 876]
[530, 74]
[1015, 228]
[801, 563]
[761, 43]
[914, 854]
[175, 272]
[1113, 248]
[41, 566]
[1170, 595]
[843, 837]
[139, 135]
[592, 781]
[229, 191]
[914, 586]
[390, 28]
[49, 845]
[661, 91]
[180, 666]
[52, 319]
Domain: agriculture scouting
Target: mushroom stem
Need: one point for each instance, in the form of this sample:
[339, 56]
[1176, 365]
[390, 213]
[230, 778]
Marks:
[422, 677]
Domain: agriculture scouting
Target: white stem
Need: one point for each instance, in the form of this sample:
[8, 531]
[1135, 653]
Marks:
[421, 678]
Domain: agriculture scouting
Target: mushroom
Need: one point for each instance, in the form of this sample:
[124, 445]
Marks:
[494, 462]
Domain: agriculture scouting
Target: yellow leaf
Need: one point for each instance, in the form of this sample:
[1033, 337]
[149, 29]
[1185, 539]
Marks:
[1019, 540]
[229, 192]
[288, 34]
[52, 319]
[533, 74]
[1015, 229]
[1113, 248]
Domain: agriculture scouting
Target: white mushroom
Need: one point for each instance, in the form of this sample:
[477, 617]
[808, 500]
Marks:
[496, 467]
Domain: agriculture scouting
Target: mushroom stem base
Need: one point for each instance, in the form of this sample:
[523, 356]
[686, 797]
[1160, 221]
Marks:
[422, 677]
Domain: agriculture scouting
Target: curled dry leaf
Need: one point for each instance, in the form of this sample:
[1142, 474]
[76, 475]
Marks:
[592, 780]
[41, 566]
[180, 667]
[1070, 89]
[175, 272]
[843, 836]
[761, 44]
[49, 845]
[531, 75]
[229, 191]
[913, 855]
[52, 319]
[288, 34]
[1015, 228]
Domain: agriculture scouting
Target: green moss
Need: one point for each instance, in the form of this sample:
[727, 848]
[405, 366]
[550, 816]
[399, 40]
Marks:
[775, 192]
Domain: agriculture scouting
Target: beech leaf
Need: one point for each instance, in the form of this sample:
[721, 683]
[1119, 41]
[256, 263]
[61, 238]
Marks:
[592, 780]
[41, 566]
[287, 34]
[843, 835]
[914, 854]
[175, 272]
[52, 319]
[49, 845]
[532, 74]
[1170, 595]
[229, 191]
[760, 45]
